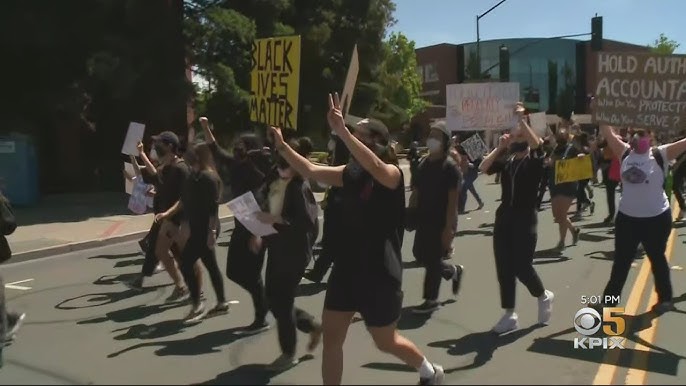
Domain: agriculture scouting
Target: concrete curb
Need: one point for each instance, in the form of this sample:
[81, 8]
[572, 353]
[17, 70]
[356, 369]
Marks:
[84, 245]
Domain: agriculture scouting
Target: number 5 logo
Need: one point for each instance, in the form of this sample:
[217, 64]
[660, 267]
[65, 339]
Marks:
[613, 316]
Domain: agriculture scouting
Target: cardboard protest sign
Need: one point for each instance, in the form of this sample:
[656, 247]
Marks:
[481, 106]
[539, 122]
[475, 147]
[645, 91]
[350, 82]
[275, 81]
[573, 169]
[133, 136]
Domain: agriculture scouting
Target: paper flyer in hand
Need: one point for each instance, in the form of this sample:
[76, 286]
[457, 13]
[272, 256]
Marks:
[244, 209]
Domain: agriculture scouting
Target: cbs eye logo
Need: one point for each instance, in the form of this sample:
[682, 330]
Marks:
[588, 321]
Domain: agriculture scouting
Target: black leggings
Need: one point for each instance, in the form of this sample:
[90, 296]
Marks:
[197, 249]
[245, 269]
[150, 257]
[514, 244]
[652, 233]
[678, 186]
[283, 276]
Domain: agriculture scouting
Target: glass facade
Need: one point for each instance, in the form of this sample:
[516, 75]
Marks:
[544, 69]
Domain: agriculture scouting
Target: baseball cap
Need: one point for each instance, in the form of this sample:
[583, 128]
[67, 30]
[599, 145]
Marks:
[441, 126]
[375, 127]
[167, 137]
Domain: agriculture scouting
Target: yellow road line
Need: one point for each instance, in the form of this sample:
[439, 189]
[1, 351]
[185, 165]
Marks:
[636, 374]
[606, 371]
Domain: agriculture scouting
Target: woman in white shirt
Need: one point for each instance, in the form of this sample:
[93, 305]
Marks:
[644, 215]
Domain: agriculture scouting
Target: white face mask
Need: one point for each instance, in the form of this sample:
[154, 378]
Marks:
[434, 145]
[153, 155]
[332, 145]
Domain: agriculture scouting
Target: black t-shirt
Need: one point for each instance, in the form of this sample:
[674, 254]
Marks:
[200, 200]
[435, 178]
[168, 183]
[373, 227]
[519, 180]
[564, 151]
[246, 175]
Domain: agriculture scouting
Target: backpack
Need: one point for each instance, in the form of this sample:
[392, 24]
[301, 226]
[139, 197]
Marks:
[8, 221]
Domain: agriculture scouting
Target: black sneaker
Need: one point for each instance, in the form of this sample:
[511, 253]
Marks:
[255, 328]
[436, 379]
[427, 307]
[313, 277]
[220, 309]
[457, 278]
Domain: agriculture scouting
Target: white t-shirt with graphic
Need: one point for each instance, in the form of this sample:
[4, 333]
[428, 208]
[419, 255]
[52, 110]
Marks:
[643, 193]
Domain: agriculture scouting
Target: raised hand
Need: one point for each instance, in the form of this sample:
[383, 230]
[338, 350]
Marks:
[277, 136]
[335, 115]
[139, 146]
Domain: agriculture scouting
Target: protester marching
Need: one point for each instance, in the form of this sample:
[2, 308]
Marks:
[388, 207]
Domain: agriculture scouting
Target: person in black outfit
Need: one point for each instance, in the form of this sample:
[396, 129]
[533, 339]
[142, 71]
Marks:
[678, 177]
[168, 178]
[562, 195]
[290, 207]
[245, 257]
[200, 204]
[515, 234]
[367, 275]
[435, 197]
[333, 213]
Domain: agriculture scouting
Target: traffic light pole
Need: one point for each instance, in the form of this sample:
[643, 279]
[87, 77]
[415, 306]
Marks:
[478, 35]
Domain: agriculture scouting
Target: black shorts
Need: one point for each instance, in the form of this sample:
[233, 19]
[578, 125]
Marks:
[378, 300]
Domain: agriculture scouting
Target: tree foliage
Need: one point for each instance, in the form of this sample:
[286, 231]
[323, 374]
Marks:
[399, 95]
[664, 45]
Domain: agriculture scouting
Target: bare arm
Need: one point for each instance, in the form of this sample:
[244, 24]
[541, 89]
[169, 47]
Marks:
[675, 149]
[330, 175]
[136, 167]
[388, 175]
[531, 137]
[149, 167]
[617, 146]
[490, 158]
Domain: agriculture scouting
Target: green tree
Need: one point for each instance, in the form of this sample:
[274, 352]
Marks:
[399, 97]
[664, 45]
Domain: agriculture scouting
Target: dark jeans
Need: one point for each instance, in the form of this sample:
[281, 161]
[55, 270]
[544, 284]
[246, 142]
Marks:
[435, 270]
[610, 191]
[468, 186]
[581, 196]
[282, 279]
[150, 257]
[245, 269]
[678, 178]
[545, 178]
[197, 249]
[652, 233]
[514, 244]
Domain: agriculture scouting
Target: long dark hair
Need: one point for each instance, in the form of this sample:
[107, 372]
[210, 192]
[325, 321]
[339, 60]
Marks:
[201, 155]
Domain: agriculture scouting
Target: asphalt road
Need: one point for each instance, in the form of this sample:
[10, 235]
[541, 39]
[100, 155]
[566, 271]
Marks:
[85, 327]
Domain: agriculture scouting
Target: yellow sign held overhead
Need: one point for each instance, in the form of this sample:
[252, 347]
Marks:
[573, 169]
[275, 81]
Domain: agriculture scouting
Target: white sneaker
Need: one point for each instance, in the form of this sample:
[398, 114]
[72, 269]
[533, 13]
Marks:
[545, 307]
[436, 379]
[196, 315]
[509, 322]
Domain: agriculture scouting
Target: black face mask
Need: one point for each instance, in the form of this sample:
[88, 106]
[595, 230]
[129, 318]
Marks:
[161, 150]
[518, 147]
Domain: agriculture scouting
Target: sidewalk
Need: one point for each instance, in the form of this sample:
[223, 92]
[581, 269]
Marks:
[67, 223]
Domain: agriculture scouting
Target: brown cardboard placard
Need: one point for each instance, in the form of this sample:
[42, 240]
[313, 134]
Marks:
[641, 90]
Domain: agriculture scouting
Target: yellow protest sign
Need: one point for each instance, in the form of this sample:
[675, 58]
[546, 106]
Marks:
[275, 81]
[573, 169]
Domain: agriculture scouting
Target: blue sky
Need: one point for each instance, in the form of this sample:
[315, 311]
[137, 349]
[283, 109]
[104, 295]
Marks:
[429, 22]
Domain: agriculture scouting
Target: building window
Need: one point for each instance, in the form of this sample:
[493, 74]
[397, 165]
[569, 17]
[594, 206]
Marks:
[420, 72]
[430, 73]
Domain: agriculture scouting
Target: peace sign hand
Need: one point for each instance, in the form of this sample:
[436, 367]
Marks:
[335, 115]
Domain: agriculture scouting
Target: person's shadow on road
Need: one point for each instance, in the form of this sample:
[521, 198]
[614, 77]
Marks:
[202, 344]
[101, 299]
[252, 374]
[484, 344]
[115, 257]
[130, 314]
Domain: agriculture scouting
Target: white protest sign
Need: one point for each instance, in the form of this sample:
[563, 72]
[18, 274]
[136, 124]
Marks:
[350, 82]
[475, 147]
[481, 106]
[133, 136]
[130, 171]
[539, 122]
[244, 208]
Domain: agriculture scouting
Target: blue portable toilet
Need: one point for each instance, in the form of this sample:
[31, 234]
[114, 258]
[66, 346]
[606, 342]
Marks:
[18, 170]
